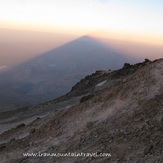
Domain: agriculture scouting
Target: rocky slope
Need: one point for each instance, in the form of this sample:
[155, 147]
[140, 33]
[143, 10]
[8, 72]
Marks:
[119, 112]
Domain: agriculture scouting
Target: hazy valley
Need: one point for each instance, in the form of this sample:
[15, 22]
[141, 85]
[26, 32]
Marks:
[53, 73]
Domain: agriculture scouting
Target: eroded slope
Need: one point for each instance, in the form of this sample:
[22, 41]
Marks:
[122, 117]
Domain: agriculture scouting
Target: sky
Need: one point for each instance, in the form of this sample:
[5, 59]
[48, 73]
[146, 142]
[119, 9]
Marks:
[117, 18]
[128, 20]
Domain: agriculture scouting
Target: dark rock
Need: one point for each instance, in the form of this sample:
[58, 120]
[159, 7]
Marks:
[85, 98]
[126, 65]
[32, 130]
[2, 146]
[148, 149]
[20, 126]
[38, 118]
[147, 60]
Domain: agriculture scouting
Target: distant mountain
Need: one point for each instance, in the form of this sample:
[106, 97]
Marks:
[54, 73]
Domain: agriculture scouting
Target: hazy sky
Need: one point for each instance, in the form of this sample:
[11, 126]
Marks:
[128, 20]
[17, 46]
[136, 17]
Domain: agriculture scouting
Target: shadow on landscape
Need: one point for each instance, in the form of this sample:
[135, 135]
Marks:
[53, 73]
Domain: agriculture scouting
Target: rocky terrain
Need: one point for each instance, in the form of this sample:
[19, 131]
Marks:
[117, 112]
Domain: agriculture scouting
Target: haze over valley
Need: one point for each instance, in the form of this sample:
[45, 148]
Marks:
[40, 66]
[53, 73]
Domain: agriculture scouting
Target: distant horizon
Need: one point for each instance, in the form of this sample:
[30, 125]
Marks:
[137, 20]
[30, 42]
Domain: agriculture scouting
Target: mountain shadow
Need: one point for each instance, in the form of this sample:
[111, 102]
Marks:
[53, 73]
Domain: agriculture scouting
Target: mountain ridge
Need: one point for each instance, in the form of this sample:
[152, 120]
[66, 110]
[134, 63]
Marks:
[118, 112]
